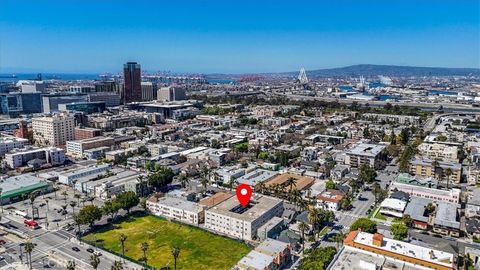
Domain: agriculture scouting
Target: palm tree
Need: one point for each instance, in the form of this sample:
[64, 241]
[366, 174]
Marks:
[29, 249]
[175, 253]
[303, 227]
[94, 261]
[73, 204]
[71, 265]
[32, 196]
[78, 220]
[448, 172]
[232, 183]
[144, 248]
[46, 202]
[117, 265]
[64, 207]
[183, 179]
[338, 238]
[122, 239]
[261, 187]
[65, 196]
[314, 217]
[204, 182]
[1, 199]
[291, 183]
[435, 168]
[78, 197]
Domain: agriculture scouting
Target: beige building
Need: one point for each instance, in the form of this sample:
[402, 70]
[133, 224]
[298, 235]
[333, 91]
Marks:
[231, 219]
[438, 151]
[53, 130]
[76, 148]
[440, 170]
[176, 209]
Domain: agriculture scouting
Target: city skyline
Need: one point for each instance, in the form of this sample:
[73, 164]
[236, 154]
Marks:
[217, 37]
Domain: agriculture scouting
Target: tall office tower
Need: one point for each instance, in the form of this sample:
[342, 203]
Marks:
[132, 76]
[148, 90]
[53, 130]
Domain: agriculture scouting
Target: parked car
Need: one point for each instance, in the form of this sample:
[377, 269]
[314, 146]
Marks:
[75, 249]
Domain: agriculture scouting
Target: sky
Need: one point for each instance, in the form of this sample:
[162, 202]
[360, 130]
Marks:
[243, 36]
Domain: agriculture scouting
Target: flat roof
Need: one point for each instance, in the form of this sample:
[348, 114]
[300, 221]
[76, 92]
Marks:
[256, 176]
[406, 249]
[446, 215]
[416, 208]
[302, 182]
[271, 246]
[259, 205]
[215, 199]
[180, 204]
[366, 149]
[350, 259]
[255, 260]
[20, 184]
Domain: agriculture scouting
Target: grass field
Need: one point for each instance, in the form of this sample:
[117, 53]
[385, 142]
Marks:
[199, 249]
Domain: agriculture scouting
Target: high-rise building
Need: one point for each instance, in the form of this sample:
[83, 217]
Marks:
[171, 93]
[14, 104]
[132, 82]
[148, 91]
[53, 130]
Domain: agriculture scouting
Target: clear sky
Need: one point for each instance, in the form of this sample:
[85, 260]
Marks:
[235, 36]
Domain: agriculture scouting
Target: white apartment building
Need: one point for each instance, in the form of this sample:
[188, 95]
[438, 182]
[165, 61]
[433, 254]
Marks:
[69, 177]
[176, 209]
[53, 130]
[231, 219]
[364, 154]
[437, 151]
[437, 195]
[76, 148]
[19, 158]
[8, 144]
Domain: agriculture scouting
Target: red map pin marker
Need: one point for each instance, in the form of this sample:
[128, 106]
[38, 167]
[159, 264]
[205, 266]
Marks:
[244, 193]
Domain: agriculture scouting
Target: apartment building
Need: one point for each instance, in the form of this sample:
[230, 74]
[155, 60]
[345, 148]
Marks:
[21, 157]
[87, 133]
[437, 195]
[69, 177]
[9, 143]
[364, 154]
[231, 219]
[77, 148]
[438, 169]
[374, 251]
[269, 255]
[53, 130]
[330, 199]
[177, 209]
[438, 151]
[392, 118]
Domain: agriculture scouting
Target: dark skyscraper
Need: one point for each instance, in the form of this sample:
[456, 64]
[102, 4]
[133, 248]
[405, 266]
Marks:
[133, 77]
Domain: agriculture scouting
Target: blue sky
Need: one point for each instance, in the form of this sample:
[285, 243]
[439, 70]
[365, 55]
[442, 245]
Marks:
[235, 36]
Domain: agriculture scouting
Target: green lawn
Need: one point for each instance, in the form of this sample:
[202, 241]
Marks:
[380, 216]
[199, 249]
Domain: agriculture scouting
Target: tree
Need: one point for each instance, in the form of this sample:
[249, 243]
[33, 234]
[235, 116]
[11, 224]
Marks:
[204, 182]
[71, 265]
[122, 238]
[448, 172]
[291, 183]
[399, 231]
[330, 184]
[73, 204]
[338, 238]
[127, 200]
[436, 169]
[94, 261]
[318, 259]
[117, 265]
[367, 174]
[78, 221]
[32, 196]
[345, 202]
[302, 226]
[183, 179]
[65, 194]
[89, 214]
[429, 208]
[111, 207]
[175, 253]
[393, 138]
[365, 224]
[404, 136]
[144, 248]
[148, 165]
[29, 246]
